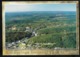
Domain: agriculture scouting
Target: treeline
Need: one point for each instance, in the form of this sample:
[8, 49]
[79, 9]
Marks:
[14, 36]
[63, 29]
[52, 27]
[60, 40]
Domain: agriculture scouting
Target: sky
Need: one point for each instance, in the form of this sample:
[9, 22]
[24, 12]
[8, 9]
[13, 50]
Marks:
[39, 7]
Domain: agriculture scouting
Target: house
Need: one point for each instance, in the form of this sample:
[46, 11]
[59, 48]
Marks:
[13, 28]
[57, 48]
[34, 33]
[13, 43]
[27, 29]
[18, 41]
[9, 45]
[22, 45]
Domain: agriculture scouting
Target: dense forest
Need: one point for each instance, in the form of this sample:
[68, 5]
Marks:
[41, 29]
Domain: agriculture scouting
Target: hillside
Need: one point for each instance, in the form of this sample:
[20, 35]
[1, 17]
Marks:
[41, 29]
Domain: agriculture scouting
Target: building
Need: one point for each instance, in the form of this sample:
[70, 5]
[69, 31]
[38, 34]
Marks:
[27, 29]
[34, 33]
[14, 28]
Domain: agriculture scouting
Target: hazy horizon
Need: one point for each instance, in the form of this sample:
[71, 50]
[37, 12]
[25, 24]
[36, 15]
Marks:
[40, 11]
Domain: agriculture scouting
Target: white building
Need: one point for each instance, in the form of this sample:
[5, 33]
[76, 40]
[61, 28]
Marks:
[22, 45]
[13, 28]
[27, 29]
[57, 48]
[9, 45]
[34, 33]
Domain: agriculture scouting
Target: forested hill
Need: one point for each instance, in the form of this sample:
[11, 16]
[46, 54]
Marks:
[15, 14]
[42, 29]
[37, 15]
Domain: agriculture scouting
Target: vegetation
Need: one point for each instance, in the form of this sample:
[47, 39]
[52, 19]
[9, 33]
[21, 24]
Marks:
[44, 29]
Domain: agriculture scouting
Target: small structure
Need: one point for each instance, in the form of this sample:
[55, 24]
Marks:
[22, 45]
[27, 29]
[14, 46]
[13, 28]
[57, 48]
[13, 43]
[17, 41]
[9, 45]
[34, 33]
